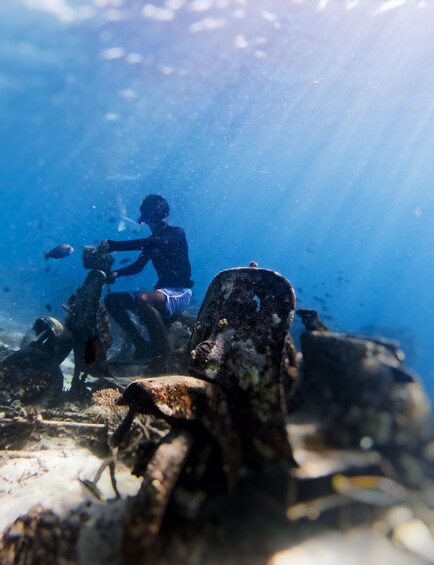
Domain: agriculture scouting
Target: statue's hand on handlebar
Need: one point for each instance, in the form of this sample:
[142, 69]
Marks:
[103, 246]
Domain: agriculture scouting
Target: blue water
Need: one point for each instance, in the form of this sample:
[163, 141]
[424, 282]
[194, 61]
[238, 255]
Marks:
[295, 133]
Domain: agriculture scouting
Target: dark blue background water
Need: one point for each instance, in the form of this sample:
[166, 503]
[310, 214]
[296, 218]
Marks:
[297, 134]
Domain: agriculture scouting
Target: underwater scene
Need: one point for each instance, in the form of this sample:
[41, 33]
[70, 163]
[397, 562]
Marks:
[216, 252]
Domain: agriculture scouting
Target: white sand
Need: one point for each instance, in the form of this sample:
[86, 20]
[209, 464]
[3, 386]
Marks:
[50, 477]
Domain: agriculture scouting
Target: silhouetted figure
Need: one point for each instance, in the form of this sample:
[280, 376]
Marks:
[167, 249]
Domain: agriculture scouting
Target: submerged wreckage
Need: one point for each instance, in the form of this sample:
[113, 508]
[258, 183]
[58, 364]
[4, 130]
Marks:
[245, 449]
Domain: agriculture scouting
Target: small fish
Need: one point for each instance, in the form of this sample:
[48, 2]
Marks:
[328, 295]
[315, 507]
[112, 220]
[378, 491]
[47, 268]
[123, 261]
[59, 252]
[6, 289]
[48, 307]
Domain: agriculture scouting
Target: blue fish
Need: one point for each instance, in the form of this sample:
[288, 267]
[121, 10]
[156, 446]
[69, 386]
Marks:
[59, 252]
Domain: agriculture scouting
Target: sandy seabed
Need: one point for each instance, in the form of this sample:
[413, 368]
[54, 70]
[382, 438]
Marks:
[46, 470]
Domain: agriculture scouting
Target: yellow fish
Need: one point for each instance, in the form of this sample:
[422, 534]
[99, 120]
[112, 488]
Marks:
[370, 489]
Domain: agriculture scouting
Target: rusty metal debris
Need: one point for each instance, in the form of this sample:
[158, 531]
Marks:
[251, 419]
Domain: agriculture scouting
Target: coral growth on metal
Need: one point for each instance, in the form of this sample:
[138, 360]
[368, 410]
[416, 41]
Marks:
[234, 402]
[240, 411]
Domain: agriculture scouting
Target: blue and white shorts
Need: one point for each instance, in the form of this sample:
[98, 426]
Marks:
[177, 300]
